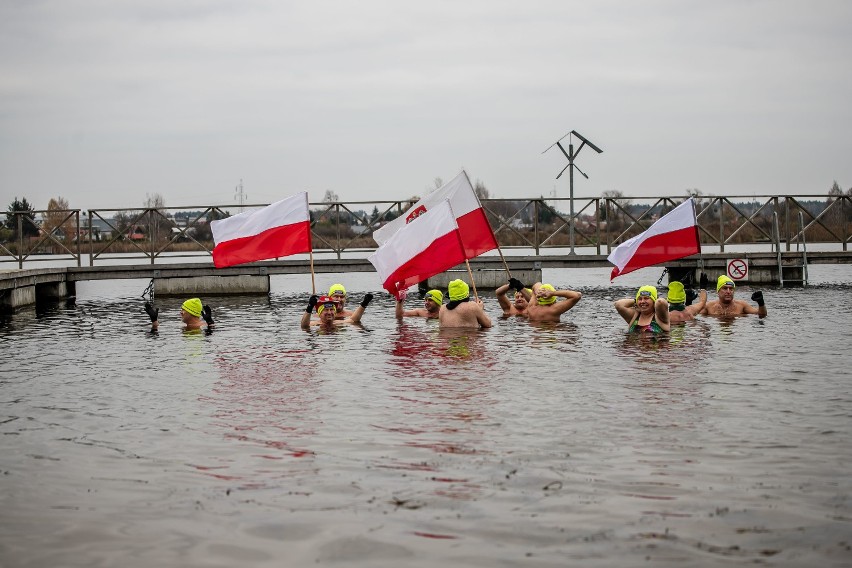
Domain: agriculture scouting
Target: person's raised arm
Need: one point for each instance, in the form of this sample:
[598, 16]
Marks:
[306, 317]
[571, 299]
[359, 311]
[626, 308]
[504, 302]
[481, 317]
[697, 307]
[760, 310]
[661, 314]
[398, 310]
[154, 314]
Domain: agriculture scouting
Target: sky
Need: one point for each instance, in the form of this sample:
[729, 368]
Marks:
[105, 102]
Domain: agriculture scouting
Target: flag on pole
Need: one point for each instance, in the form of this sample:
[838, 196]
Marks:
[425, 247]
[476, 234]
[277, 230]
[673, 236]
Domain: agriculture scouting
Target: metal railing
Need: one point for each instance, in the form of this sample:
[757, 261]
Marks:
[538, 224]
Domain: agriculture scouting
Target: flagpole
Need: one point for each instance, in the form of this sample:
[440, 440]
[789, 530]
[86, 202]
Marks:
[500, 252]
[472, 283]
[313, 279]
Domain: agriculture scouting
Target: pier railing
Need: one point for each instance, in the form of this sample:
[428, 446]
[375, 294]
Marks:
[542, 225]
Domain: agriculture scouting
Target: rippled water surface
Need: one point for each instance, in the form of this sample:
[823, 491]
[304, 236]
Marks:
[402, 445]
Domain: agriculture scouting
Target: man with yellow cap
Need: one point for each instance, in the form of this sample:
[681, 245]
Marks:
[193, 314]
[543, 305]
[432, 302]
[338, 293]
[645, 313]
[679, 312]
[521, 299]
[460, 311]
[327, 308]
[726, 305]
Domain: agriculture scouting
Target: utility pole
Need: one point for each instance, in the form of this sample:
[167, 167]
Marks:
[571, 154]
[239, 195]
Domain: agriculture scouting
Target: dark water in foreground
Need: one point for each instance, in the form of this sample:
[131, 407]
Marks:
[400, 445]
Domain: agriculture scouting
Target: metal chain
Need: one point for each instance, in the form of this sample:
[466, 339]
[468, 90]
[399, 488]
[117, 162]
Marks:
[149, 292]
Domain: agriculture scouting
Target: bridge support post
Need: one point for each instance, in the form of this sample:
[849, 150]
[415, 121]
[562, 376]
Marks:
[13, 298]
[212, 285]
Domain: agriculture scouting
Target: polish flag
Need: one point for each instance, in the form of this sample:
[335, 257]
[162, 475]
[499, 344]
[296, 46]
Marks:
[425, 247]
[277, 230]
[673, 236]
[476, 233]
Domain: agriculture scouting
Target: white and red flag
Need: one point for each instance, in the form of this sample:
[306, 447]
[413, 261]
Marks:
[476, 234]
[425, 247]
[673, 236]
[277, 230]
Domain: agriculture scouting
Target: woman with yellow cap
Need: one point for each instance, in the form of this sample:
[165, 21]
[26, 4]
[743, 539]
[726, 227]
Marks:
[193, 314]
[645, 313]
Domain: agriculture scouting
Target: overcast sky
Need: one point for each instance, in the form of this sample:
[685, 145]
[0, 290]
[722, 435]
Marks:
[105, 101]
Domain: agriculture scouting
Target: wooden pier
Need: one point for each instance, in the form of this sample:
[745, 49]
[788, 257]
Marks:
[21, 287]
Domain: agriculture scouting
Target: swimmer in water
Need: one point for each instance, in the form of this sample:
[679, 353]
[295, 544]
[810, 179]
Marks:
[726, 305]
[193, 314]
[520, 300]
[645, 313]
[544, 306]
[460, 311]
[431, 305]
[681, 308]
[327, 309]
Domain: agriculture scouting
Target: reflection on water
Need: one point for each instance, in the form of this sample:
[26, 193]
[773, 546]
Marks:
[727, 441]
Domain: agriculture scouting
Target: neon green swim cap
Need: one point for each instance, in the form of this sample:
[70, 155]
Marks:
[551, 299]
[647, 291]
[724, 281]
[336, 288]
[193, 307]
[458, 290]
[436, 296]
[677, 295]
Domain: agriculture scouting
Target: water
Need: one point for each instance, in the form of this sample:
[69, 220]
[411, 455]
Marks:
[402, 445]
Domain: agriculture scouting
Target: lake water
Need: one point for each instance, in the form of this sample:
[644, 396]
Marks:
[401, 445]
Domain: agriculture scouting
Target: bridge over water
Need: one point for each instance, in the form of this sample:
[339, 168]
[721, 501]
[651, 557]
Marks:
[533, 234]
[27, 286]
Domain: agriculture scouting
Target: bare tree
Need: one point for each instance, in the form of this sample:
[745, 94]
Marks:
[480, 190]
[155, 219]
[330, 197]
[57, 220]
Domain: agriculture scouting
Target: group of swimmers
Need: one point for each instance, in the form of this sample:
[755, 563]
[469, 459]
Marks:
[543, 303]
[540, 302]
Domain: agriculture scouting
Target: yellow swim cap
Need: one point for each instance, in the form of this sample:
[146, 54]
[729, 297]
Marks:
[458, 290]
[677, 295]
[192, 306]
[547, 301]
[336, 288]
[436, 296]
[325, 301]
[724, 281]
[647, 291]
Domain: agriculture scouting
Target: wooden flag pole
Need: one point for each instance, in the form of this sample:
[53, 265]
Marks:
[472, 283]
[313, 277]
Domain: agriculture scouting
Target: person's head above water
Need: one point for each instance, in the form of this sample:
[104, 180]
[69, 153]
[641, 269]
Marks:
[193, 307]
[549, 300]
[724, 281]
[677, 294]
[647, 291]
[458, 290]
